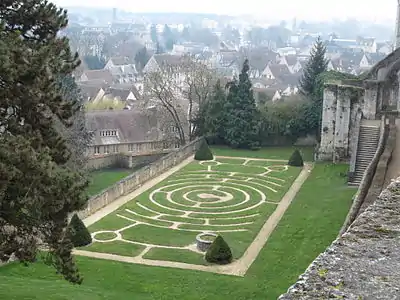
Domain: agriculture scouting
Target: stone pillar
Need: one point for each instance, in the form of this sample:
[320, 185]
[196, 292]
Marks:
[342, 123]
[370, 99]
[326, 148]
[130, 162]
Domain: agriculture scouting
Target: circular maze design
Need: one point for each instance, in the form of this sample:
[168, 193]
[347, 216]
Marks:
[210, 198]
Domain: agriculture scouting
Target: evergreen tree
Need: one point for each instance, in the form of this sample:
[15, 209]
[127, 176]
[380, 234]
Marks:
[219, 252]
[316, 65]
[310, 84]
[153, 33]
[38, 187]
[94, 62]
[141, 58]
[241, 124]
[203, 152]
[169, 39]
[296, 160]
[211, 118]
[78, 233]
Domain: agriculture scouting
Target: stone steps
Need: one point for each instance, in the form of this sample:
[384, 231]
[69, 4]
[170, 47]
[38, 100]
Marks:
[367, 145]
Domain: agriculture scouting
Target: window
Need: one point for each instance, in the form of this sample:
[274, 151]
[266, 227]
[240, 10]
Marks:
[115, 148]
[177, 145]
[166, 145]
[96, 150]
[106, 149]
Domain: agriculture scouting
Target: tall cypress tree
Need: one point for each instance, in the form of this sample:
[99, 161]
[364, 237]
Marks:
[316, 65]
[310, 84]
[241, 113]
[38, 188]
[212, 115]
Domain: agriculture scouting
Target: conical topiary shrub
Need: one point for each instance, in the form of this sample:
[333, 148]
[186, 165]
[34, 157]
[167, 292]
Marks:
[296, 160]
[219, 252]
[78, 232]
[203, 152]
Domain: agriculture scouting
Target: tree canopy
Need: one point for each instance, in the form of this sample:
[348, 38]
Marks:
[38, 189]
[241, 112]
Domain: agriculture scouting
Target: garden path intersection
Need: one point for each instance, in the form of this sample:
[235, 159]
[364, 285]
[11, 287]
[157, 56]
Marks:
[228, 195]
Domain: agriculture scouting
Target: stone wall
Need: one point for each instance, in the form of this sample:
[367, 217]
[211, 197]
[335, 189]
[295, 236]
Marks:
[122, 160]
[136, 179]
[363, 263]
[366, 180]
[341, 105]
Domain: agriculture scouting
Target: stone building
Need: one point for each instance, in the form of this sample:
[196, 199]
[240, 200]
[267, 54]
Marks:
[352, 112]
[125, 138]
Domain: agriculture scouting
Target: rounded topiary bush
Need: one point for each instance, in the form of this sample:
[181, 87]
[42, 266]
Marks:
[203, 152]
[78, 233]
[219, 252]
[296, 160]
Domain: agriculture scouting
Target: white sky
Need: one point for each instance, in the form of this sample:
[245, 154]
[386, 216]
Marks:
[285, 9]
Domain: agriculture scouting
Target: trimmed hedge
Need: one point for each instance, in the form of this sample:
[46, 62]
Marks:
[204, 152]
[79, 234]
[296, 160]
[219, 252]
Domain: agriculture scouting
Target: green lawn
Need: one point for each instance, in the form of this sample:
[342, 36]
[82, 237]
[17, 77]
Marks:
[203, 196]
[308, 226]
[99, 180]
[267, 152]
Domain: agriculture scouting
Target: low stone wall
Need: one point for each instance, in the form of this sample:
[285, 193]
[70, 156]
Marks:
[363, 263]
[136, 179]
[366, 180]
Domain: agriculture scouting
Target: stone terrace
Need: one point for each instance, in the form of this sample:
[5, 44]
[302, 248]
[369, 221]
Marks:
[364, 263]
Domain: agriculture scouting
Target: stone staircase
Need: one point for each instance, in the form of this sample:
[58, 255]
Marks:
[367, 145]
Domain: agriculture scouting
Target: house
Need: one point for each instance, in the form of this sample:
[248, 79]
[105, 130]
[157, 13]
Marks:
[124, 133]
[258, 61]
[292, 63]
[122, 69]
[103, 76]
[91, 93]
[124, 92]
[263, 95]
[286, 51]
[275, 71]
[349, 62]
[158, 61]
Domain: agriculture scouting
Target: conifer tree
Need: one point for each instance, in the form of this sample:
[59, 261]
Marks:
[310, 85]
[211, 118]
[316, 65]
[241, 113]
[38, 188]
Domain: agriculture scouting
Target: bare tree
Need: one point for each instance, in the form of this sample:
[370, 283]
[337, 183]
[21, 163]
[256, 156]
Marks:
[179, 87]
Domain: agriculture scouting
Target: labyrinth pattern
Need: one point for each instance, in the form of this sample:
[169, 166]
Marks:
[220, 196]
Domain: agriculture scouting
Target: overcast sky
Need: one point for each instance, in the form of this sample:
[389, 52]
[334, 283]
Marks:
[286, 9]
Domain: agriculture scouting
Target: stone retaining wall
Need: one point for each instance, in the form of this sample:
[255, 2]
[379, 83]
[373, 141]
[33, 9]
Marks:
[366, 180]
[363, 263]
[136, 179]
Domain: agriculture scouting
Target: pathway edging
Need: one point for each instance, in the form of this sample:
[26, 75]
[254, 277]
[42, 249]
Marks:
[237, 268]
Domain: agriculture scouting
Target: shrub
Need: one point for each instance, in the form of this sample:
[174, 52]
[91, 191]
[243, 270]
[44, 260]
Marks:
[296, 160]
[78, 232]
[204, 152]
[219, 252]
